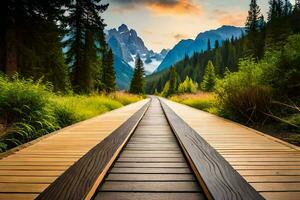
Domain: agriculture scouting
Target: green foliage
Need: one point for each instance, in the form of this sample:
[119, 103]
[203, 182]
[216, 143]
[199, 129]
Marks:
[108, 72]
[25, 110]
[187, 86]
[165, 92]
[137, 82]
[201, 101]
[227, 55]
[29, 109]
[243, 94]
[286, 73]
[209, 79]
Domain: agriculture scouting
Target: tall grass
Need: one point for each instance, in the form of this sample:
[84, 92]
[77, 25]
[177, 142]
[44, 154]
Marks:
[200, 100]
[30, 109]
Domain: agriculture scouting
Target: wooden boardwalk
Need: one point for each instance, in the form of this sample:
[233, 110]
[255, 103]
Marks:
[153, 150]
[151, 165]
[27, 172]
[271, 166]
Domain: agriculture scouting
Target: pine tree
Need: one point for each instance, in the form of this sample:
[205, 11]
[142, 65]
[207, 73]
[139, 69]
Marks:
[30, 40]
[217, 44]
[209, 80]
[137, 82]
[253, 17]
[255, 42]
[208, 45]
[296, 17]
[108, 72]
[173, 81]
[85, 25]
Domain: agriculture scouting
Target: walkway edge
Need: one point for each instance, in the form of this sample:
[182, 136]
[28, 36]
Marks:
[216, 176]
[30, 143]
[81, 180]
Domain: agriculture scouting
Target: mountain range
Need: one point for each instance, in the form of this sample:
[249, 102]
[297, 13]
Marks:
[126, 45]
[189, 46]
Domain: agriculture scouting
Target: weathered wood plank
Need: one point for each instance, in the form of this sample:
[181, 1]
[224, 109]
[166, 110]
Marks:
[17, 196]
[150, 165]
[151, 186]
[151, 170]
[148, 196]
[150, 177]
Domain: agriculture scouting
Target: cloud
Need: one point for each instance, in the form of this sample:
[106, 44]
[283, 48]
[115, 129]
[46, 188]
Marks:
[180, 36]
[177, 7]
[236, 18]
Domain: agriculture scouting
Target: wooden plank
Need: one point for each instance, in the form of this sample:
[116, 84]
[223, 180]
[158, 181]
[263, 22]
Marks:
[81, 180]
[281, 195]
[150, 177]
[216, 175]
[129, 159]
[151, 186]
[148, 196]
[282, 187]
[29, 173]
[26, 179]
[269, 172]
[17, 196]
[151, 170]
[150, 165]
[274, 179]
[22, 187]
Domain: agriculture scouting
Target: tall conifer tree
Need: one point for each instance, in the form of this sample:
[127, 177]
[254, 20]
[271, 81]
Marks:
[85, 25]
[108, 72]
[254, 43]
[137, 82]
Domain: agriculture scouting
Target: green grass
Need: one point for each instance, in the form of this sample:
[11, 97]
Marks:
[201, 101]
[30, 109]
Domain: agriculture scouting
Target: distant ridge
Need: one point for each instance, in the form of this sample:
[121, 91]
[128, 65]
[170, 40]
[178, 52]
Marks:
[189, 46]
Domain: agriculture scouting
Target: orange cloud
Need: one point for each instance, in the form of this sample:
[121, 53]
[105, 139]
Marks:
[234, 18]
[180, 7]
[180, 36]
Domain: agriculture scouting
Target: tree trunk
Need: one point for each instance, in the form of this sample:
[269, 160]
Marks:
[11, 51]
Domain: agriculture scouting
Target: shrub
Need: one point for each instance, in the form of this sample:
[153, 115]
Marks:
[187, 86]
[284, 72]
[243, 94]
[24, 110]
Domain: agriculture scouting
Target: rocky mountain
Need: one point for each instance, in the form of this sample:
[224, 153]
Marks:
[188, 47]
[126, 44]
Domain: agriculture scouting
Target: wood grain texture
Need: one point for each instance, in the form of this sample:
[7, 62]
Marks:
[76, 182]
[148, 196]
[145, 170]
[215, 173]
[262, 160]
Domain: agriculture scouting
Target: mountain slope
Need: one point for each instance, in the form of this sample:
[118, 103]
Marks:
[126, 44]
[124, 73]
[188, 47]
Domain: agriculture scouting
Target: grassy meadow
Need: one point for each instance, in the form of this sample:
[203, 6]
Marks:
[30, 109]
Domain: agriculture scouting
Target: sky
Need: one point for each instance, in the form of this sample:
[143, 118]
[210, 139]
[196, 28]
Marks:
[163, 23]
